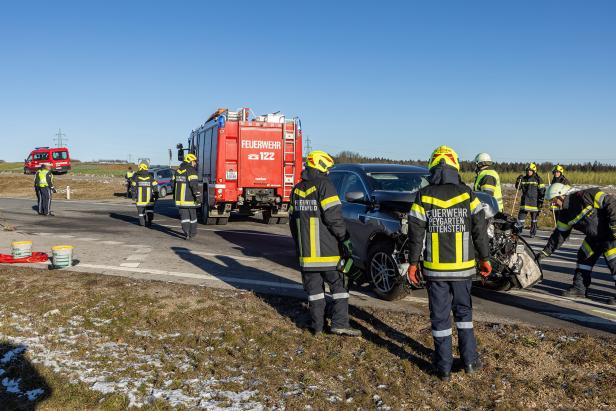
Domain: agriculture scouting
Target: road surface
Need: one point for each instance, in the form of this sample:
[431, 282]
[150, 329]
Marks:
[250, 255]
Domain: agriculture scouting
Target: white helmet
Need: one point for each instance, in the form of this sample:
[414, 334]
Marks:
[483, 159]
[558, 190]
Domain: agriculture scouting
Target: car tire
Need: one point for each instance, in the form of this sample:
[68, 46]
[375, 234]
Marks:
[163, 192]
[383, 273]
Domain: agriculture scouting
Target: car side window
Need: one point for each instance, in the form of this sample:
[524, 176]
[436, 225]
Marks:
[336, 178]
[352, 182]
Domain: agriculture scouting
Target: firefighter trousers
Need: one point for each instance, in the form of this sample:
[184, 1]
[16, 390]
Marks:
[533, 220]
[188, 219]
[443, 298]
[44, 200]
[146, 215]
[38, 199]
[314, 285]
[589, 253]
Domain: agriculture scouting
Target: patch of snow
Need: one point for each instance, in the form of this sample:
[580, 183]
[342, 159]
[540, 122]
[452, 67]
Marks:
[11, 385]
[9, 355]
[104, 387]
[52, 312]
[34, 394]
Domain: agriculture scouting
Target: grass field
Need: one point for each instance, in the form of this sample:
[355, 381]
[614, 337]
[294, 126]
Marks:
[602, 178]
[96, 169]
[104, 343]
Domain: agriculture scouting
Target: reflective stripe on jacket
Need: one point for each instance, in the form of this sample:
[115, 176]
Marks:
[590, 211]
[186, 190]
[451, 221]
[43, 179]
[488, 181]
[144, 187]
[533, 190]
[316, 222]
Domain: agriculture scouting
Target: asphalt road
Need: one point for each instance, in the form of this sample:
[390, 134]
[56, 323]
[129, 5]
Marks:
[250, 255]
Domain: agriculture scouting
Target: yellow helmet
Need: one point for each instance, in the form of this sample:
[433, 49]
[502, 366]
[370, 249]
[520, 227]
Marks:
[143, 166]
[531, 167]
[190, 157]
[445, 154]
[320, 160]
[558, 168]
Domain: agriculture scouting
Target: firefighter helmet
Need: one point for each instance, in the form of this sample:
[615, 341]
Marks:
[557, 190]
[143, 166]
[319, 160]
[531, 167]
[558, 168]
[483, 159]
[190, 157]
[444, 154]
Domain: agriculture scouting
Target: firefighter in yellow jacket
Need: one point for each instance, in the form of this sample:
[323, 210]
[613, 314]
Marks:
[321, 239]
[487, 179]
[145, 193]
[187, 194]
[450, 221]
[43, 185]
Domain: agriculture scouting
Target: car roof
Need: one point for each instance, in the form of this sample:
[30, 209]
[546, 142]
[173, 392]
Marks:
[380, 168]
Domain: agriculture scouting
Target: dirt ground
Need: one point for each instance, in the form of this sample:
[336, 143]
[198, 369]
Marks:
[83, 187]
[95, 342]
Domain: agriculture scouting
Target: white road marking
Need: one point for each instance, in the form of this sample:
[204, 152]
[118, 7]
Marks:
[129, 265]
[581, 318]
[204, 276]
[87, 239]
[110, 242]
[64, 236]
[207, 254]
[136, 257]
[604, 312]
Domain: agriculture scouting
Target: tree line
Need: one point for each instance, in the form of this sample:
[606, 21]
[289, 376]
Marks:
[465, 165]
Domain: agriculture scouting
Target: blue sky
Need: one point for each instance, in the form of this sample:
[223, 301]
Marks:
[523, 80]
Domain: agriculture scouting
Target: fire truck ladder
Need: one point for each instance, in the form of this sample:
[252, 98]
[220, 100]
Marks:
[290, 139]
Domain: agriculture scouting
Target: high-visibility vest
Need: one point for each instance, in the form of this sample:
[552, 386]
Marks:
[494, 190]
[129, 174]
[42, 178]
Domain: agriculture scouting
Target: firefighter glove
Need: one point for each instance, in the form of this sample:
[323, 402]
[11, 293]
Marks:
[347, 248]
[53, 190]
[411, 275]
[540, 256]
[613, 231]
[485, 268]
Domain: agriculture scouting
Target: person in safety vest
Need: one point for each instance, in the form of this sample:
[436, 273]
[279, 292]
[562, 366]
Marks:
[129, 179]
[531, 198]
[145, 193]
[449, 219]
[592, 212]
[558, 176]
[321, 239]
[43, 185]
[187, 194]
[487, 179]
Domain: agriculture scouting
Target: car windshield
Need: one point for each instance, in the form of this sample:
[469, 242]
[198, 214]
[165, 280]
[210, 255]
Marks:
[397, 181]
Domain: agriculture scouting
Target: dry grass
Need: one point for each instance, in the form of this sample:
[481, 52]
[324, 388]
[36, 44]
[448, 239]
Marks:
[201, 334]
[82, 187]
[600, 178]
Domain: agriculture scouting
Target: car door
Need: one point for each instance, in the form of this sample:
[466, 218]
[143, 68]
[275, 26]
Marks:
[355, 213]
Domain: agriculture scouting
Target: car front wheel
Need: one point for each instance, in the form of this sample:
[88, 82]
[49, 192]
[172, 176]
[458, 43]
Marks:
[383, 269]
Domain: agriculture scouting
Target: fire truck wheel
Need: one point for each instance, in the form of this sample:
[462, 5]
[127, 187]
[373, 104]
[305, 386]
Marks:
[268, 218]
[222, 220]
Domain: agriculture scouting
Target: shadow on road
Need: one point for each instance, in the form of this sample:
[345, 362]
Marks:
[22, 388]
[134, 220]
[278, 249]
[296, 310]
[544, 307]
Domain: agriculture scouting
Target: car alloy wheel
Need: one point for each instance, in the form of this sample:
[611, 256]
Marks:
[384, 272]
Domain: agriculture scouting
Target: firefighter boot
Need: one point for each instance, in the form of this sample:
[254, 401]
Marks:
[533, 228]
[575, 293]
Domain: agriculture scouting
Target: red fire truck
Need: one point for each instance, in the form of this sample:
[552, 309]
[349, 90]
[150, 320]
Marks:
[57, 158]
[245, 164]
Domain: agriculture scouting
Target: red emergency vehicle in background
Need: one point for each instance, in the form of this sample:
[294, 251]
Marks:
[246, 164]
[58, 159]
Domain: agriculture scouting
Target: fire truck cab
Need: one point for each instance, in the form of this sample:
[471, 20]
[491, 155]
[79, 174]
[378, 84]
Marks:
[246, 165]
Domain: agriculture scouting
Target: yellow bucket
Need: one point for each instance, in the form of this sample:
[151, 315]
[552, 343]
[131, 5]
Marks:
[62, 256]
[21, 249]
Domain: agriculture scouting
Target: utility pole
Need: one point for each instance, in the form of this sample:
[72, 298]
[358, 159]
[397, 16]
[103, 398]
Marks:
[60, 140]
[307, 145]
[130, 159]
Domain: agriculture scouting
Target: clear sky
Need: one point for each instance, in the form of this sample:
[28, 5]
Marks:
[522, 80]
